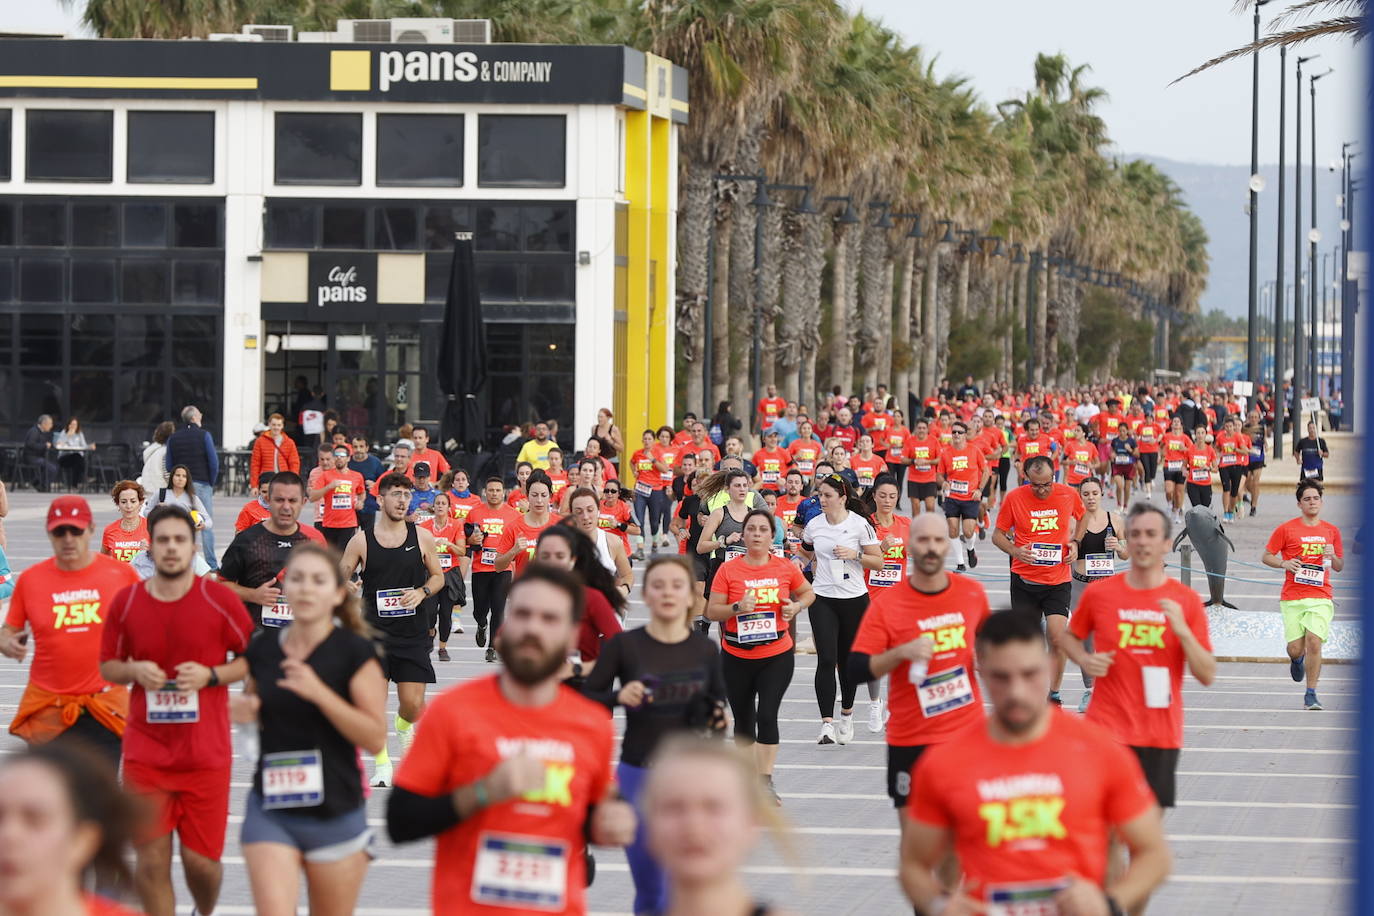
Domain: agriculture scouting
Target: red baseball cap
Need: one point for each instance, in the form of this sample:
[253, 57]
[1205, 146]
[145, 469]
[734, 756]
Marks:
[71, 511]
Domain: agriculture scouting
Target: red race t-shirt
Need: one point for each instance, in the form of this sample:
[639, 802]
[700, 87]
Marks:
[122, 545]
[787, 511]
[521, 527]
[1027, 818]
[965, 469]
[848, 436]
[896, 442]
[924, 456]
[66, 612]
[1175, 447]
[1046, 526]
[761, 633]
[948, 699]
[462, 505]
[894, 558]
[338, 503]
[1231, 449]
[1129, 622]
[1081, 461]
[492, 523]
[1294, 539]
[1147, 436]
[610, 518]
[452, 533]
[877, 426]
[647, 478]
[867, 469]
[204, 626]
[1200, 462]
[1026, 447]
[529, 846]
[772, 464]
[770, 409]
[805, 453]
[252, 512]
[669, 456]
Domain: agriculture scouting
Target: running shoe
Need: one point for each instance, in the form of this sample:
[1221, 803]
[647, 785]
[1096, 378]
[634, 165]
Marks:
[638, 555]
[381, 777]
[770, 791]
[491, 655]
[961, 568]
[1055, 698]
[481, 634]
[845, 732]
[1297, 668]
[407, 738]
[1309, 700]
[876, 719]
[827, 733]
[703, 626]
[1253, 510]
[458, 627]
[982, 532]
[443, 654]
[1083, 702]
[972, 558]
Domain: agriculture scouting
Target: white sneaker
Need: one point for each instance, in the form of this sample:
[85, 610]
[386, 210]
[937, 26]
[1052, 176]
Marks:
[407, 738]
[458, 627]
[827, 733]
[845, 733]
[381, 777]
[875, 716]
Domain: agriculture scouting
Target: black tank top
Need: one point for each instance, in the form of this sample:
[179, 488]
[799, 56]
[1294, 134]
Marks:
[1096, 542]
[728, 526]
[390, 571]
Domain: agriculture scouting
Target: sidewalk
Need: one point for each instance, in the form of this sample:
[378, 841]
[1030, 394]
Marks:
[1342, 471]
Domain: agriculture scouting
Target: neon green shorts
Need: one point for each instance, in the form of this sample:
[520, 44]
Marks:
[1312, 615]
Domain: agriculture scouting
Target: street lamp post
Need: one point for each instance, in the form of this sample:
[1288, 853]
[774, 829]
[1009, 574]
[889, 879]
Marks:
[1252, 350]
[1299, 344]
[1349, 291]
[1278, 282]
[1313, 235]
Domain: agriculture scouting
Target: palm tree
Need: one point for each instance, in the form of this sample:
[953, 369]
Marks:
[1341, 17]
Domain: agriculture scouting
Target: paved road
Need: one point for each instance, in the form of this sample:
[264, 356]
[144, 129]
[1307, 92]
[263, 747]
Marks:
[1263, 826]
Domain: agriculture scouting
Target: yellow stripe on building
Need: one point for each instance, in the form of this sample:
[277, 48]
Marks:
[129, 82]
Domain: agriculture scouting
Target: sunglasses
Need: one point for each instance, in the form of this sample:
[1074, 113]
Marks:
[611, 491]
[64, 531]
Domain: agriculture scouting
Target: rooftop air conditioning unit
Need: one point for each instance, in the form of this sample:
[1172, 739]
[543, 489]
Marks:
[270, 32]
[422, 31]
[367, 30]
[232, 36]
[472, 31]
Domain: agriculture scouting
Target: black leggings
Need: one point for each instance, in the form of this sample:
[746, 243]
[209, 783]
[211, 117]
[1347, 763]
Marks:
[1231, 478]
[834, 624]
[1003, 472]
[1199, 494]
[1149, 464]
[450, 595]
[898, 472]
[489, 599]
[761, 679]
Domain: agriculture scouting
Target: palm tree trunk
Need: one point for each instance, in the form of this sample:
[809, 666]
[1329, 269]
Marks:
[815, 234]
[960, 310]
[901, 355]
[885, 341]
[948, 286]
[694, 230]
[1009, 288]
[1041, 306]
[741, 300]
[792, 319]
[841, 348]
[870, 315]
[772, 282]
[1071, 308]
[930, 341]
[720, 315]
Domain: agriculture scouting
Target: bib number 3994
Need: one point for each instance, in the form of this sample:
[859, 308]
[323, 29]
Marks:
[945, 691]
[520, 872]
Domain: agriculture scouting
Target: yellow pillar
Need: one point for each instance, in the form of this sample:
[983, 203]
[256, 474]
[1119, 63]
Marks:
[639, 195]
[661, 232]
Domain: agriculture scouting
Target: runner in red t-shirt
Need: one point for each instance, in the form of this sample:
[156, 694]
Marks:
[558, 478]
[866, 464]
[512, 772]
[1033, 442]
[771, 462]
[256, 509]
[1308, 550]
[805, 450]
[1027, 801]
[128, 535]
[340, 492]
[60, 606]
[1174, 448]
[451, 545]
[922, 456]
[1233, 453]
[486, 525]
[171, 637]
[963, 474]
[920, 632]
[515, 545]
[1201, 465]
[770, 408]
[613, 516]
[1035, 528]
[1080, 461]
[1148, 434]
[878, 423]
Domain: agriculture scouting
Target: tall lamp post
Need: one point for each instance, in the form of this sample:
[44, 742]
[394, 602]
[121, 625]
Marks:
[1313, 237]
[1252, 349]
[1349, 291]
[1279, 291]
[1299, 344]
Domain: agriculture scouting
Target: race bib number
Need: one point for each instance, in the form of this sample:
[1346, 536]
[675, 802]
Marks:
[1256, 454]
[1311, 472]
[445, 560]
[865, 477]
[958, 488]
[1031, 899]
[734, 552]
[945, 692]
[1047, 554]
[643, 489]
[423, 516]
[1310, 574]
[757, 627]
[1122, 458]
[292, 779]
[770, 476]
[888, 576]
[1155, 680]
[1173, 465]
[806, 467]
[1082, 470]
[1099, 564]
[389, 603]
[278, 614]
[1229, 459]
[169, 705]
[489, 556]
[520, 872]
[1200, 475]
[341, 497]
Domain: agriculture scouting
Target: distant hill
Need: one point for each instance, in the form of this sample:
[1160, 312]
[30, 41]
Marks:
[1218, 194]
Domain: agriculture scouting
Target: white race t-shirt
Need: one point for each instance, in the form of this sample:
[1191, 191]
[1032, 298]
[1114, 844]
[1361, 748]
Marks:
[835, 578]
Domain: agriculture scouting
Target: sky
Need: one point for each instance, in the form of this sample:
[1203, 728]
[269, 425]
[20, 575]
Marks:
[1135, 51]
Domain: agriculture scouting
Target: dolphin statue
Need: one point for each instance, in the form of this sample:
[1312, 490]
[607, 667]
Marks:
[1203, 528]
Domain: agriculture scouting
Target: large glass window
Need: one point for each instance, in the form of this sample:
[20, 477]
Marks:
[43, 225]
[292, 226]
[69, 145]
[6, 132]
[172, 146]
[344, 227]
[95, 225]
[319, 148]
[420, 149]
[521, 151]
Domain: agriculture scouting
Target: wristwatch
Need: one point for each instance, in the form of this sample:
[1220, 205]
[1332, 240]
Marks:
[425, 589]
[734, 608]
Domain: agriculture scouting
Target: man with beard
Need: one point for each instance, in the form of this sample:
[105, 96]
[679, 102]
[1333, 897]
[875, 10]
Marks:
[399, 571]
[919, 633]
[512, 772]
[1027, 801]
[170, 637]
[253, 564]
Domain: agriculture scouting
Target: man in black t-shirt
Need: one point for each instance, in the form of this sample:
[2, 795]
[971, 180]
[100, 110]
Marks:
[254, 561]
[1310, 452]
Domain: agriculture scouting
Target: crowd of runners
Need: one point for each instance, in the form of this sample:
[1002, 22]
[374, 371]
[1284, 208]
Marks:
[155, 659]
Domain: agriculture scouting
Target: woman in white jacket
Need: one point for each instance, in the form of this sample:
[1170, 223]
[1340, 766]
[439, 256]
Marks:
[154, 476]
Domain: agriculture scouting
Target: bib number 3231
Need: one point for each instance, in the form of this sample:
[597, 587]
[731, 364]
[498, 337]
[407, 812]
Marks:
[520, 872]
